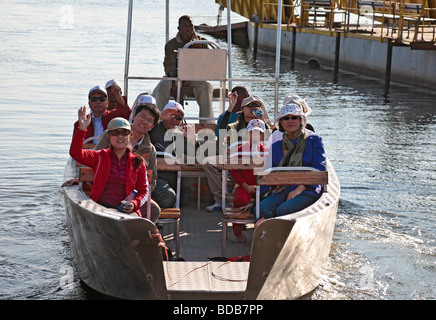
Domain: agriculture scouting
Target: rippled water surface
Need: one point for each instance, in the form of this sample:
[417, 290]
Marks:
[383, 149]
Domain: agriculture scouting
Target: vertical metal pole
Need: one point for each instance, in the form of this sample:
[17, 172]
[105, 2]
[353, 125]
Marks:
[229, 40]
[337, 52]
[278, 46]
[127, 57]
[294, 40]
[257, 202]
[388, 68]
[167, 21]
[224, 188]
[256, 37]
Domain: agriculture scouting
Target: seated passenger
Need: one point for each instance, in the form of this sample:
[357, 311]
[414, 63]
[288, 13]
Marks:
[144, 116]
[249, 106]
[298, 147]
[117, 170]
[252, 108]
[229, 116]
[100, 115]
[114, 95]
[245, 179]
[171, 116]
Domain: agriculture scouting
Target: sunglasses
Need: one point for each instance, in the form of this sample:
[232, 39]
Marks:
[291, 117]
[117, 133]
[95, 99]
[252, 105]
[179, 118]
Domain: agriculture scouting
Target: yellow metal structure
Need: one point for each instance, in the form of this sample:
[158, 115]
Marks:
[268, 8]
[393, 15]
[248, 8]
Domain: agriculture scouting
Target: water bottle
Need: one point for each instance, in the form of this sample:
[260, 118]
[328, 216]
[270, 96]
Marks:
[129, 198]
[257, 112]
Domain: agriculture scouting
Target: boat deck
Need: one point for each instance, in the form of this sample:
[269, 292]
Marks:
[201, 236]
[199, 276]
[187, 279]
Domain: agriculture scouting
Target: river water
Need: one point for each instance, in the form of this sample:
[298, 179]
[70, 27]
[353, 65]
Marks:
[383, 148]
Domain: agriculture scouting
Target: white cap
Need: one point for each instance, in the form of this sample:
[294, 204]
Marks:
[147, 99]
[142, 99]
[256, 124]
[291, 109]
[97, 88]
[173, 106]
[111, 82]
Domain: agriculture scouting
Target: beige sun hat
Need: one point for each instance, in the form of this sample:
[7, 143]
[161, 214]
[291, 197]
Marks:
[251, 99]
[300, 101]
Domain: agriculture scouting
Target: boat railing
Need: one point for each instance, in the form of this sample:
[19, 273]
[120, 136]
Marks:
[228, 78]
[202, 42]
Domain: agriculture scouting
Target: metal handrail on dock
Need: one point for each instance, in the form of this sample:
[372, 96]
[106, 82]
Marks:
[385, 19]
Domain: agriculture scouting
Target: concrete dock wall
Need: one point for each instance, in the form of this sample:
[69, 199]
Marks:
[357, 53]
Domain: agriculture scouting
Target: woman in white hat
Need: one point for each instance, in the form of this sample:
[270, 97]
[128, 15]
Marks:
[117, 171]
[298, 148]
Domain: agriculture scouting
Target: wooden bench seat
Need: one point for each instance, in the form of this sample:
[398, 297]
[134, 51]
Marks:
[293, 178]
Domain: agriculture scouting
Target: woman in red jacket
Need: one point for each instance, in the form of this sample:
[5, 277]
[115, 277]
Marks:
[117, 171]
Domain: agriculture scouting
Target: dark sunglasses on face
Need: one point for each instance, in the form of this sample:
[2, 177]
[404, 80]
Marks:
[179, 118]
[291, 117]
[95, 99]
[117, 133]
[252, 105]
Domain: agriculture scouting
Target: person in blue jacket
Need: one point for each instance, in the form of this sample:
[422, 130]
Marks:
[298, 147]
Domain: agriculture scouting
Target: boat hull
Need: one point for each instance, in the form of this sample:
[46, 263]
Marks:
[112, 253]
[299, 264]
[115, 255]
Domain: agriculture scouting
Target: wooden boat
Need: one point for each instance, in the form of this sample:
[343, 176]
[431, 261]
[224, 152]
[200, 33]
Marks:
[121, 256]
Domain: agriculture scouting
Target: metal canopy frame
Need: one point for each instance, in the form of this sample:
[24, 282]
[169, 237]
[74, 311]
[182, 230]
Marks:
[230, 79]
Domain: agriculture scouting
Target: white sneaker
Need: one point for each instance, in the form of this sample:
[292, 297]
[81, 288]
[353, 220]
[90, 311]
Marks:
[215, 207]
